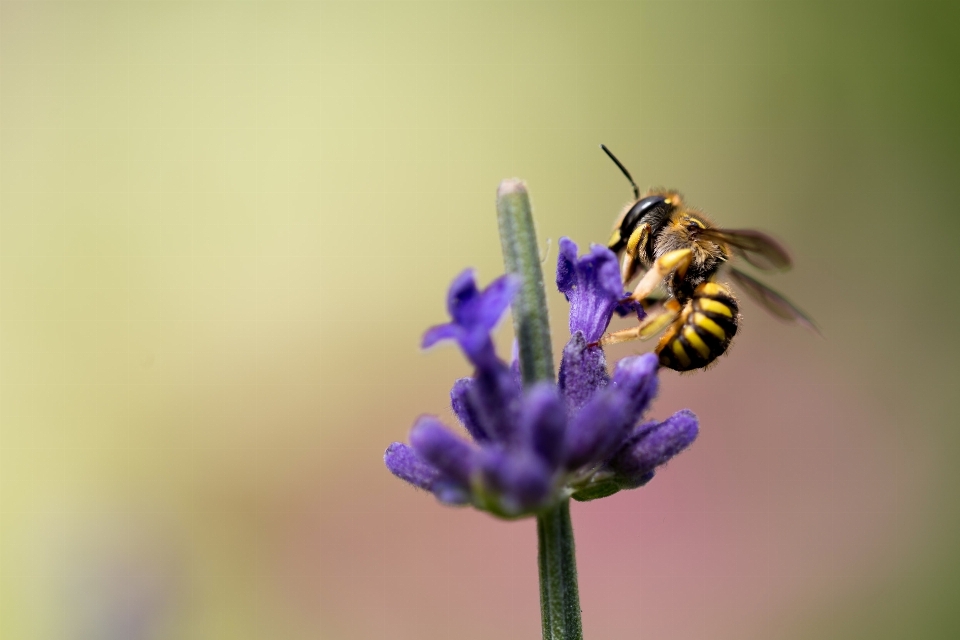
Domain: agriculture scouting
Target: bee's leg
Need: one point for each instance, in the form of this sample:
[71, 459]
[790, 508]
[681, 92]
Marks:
[628, 267]
[631, 257]
[677, 260]
[648, 327]
[652, 301]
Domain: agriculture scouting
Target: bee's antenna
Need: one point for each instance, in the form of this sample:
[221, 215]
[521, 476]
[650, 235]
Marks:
[636, 191]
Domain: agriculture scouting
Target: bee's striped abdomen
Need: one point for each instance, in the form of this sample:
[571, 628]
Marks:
[703, 331]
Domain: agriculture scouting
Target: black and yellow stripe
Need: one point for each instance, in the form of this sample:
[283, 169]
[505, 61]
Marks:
[703, 331]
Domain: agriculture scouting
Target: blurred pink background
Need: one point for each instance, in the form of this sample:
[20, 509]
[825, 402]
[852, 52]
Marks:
[225, 225]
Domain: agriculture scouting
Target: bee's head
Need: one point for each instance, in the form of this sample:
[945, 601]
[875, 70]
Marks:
[654, 209]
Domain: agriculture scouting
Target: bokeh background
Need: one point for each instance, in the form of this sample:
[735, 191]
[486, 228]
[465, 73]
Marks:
[225, 225]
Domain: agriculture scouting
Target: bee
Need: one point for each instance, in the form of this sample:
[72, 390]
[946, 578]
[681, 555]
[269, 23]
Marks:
[680, 248]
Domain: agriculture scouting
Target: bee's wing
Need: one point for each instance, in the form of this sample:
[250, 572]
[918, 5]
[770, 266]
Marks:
[757, 248]
[771, 300]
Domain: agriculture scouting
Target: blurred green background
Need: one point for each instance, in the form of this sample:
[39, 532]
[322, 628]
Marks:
[224, 226]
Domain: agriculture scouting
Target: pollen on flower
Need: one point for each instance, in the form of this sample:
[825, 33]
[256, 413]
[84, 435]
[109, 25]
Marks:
[532, 447]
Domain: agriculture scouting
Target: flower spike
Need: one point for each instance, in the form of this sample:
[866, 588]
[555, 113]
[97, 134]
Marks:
[533, 447]
[537, 441]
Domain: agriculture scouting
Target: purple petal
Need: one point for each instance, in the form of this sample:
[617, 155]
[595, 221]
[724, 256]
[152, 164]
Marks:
[403, 462]
[543, 420]
[602, 424]
[653, 445]
[598, 429]
[437, 333]
[583, 371]
[628, 306]
[474, 315]
[567, 266]
[493, 400]
[636, 377]
[475, 343]
[450, 492]
[519, 480]
[495, 299]
[462, 292]
[465, 410]
[481, 310]
[453, 457]
[591, 284]
[515, 363]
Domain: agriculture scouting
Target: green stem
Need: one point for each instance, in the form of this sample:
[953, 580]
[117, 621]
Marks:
[559, 594]
[521, 256]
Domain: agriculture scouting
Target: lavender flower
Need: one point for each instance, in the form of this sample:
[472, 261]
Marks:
[532, 448]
